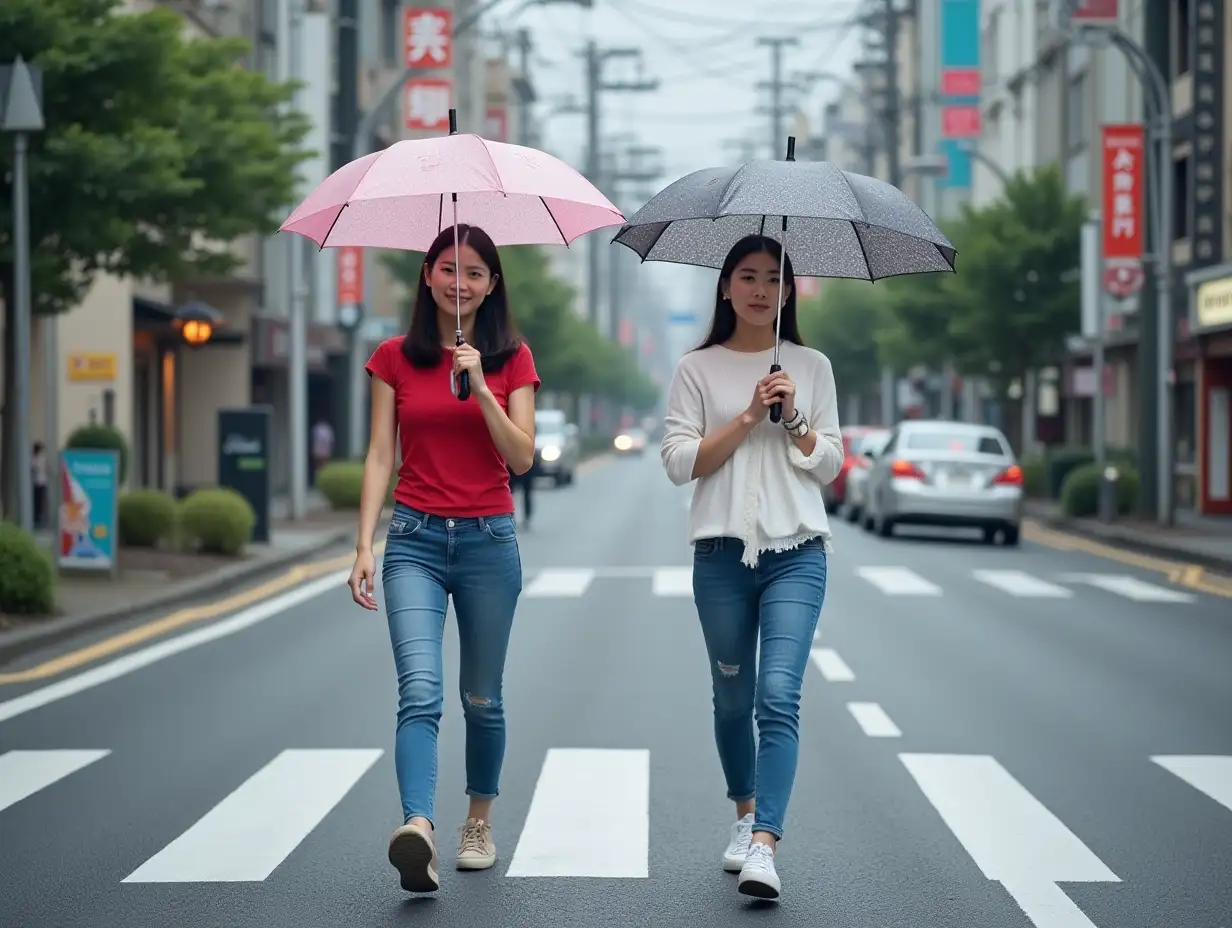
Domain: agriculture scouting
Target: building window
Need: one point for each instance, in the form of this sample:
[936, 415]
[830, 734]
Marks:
[1185, 416]
[1180, 37]
[1075, 113]
[1181, 183]
[391, 28]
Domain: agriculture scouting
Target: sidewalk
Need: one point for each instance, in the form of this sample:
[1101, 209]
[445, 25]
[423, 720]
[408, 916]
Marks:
[1202, 540]
[151, 579]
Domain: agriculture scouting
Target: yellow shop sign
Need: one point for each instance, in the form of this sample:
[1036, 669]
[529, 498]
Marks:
[1214, 303]
[91, 366]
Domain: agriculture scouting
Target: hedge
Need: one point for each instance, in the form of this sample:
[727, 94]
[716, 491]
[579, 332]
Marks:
[27, 578]
[1080, 491]
[148, 518]
[341, 483]
[216, 520]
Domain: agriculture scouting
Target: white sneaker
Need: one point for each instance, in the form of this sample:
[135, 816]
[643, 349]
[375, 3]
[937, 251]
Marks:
[738, 847]
[758, 877]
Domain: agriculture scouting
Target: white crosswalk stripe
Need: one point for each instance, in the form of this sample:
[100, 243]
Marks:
[902, 582]
[247, 835]
[1008, 833]
[898, 581]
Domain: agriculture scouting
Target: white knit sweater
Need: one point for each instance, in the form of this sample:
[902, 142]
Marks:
[767, 493]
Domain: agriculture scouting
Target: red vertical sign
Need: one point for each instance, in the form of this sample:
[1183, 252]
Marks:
[1096, 12]
[426, 102]
[350, 276]
[427, 37]
[1124, 150]
[497, 127]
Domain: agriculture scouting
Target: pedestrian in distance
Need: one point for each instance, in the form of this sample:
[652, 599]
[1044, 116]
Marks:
[759, 531]
[452, 533]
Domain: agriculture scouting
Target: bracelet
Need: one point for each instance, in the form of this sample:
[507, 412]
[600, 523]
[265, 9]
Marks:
[800, 429]
[795, 422]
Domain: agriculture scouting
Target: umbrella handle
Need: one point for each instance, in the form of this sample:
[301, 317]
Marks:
[464, 380]
[776, 410]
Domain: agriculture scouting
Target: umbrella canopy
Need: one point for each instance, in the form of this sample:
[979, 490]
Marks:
[838, 224]
[402, 197]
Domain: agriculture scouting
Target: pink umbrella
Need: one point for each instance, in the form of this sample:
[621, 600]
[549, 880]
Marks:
[396, 199]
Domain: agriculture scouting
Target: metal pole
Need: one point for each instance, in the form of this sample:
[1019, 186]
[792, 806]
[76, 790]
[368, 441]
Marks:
[51, 417]
[1093, 295]
[21, 336]
[297, 348]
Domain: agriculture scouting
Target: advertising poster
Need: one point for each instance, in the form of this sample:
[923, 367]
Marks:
[89, 499]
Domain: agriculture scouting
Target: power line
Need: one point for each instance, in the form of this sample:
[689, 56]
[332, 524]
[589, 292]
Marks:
[689, 19]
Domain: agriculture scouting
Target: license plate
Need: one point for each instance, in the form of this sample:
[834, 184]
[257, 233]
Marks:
[958, 478]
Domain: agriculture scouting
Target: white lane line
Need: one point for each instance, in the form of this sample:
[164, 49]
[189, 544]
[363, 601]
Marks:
[873, 720]
[898, 581]
[673, 581]
[832, 667]
[1208, 773]
[1018, 583]
[558, 582]
[1011, 836]
[24, 773]
[247, 835]
[71, 686]
[1133, 588]
[568, 833]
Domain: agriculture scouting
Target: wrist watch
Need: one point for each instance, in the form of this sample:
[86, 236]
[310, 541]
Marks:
[798, 427]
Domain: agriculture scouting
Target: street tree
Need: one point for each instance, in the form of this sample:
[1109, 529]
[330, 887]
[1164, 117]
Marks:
[159, 150]
[1017, 293]
[843, 323]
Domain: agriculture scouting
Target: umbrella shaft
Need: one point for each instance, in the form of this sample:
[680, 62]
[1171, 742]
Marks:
[778, 317]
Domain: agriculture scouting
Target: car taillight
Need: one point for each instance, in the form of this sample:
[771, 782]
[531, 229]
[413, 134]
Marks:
[1010, 477]
[901, 468]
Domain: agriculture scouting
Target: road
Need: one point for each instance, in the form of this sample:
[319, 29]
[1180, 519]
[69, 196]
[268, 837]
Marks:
[990, 737]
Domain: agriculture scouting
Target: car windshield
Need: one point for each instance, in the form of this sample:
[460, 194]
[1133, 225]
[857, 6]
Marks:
[970, 442]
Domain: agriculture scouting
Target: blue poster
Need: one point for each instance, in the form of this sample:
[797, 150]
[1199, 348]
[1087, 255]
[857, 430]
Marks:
[89, 501]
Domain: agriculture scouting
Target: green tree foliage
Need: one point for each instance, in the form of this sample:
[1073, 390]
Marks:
[1019, 297]
[157, 148]
[572, 358]
[844, 324]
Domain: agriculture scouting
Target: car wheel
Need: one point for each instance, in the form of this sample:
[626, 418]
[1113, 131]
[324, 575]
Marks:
[853, 514]
[1011, 536]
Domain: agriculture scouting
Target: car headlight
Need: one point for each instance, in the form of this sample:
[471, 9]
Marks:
[623, 442]
[549, 453]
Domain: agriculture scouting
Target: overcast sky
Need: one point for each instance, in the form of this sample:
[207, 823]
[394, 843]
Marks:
[705, 56]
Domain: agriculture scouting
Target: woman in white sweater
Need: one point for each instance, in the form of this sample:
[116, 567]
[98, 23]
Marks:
[759, 532]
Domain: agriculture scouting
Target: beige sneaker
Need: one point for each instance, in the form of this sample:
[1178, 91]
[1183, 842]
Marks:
[477, 850]
[413, 852]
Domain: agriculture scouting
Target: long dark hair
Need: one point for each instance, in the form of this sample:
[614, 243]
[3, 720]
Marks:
[496, 337]
[723, 323]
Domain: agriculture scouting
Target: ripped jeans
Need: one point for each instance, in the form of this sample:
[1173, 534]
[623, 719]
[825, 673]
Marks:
[477, 562]
[777, 603]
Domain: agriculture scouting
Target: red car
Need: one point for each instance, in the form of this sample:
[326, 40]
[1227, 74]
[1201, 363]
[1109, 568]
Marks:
[835, 493]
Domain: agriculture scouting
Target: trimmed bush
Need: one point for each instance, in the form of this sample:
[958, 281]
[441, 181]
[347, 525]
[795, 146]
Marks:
[1061, 461]
[147, 518]
[102, 438]
[27, 580]
[216, 520]
[1080, 492]
[342, 482]
[1034, 476]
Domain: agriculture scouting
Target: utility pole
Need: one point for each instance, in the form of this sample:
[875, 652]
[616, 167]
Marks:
[523, 87]
[595, 59]
[639, 165]
[21, 113]
[776, 86]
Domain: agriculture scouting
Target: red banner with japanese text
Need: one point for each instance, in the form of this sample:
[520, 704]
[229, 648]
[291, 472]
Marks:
[1124, 151]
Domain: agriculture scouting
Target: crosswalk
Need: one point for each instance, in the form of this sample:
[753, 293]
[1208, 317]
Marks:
[1009, 834]
[889, 580]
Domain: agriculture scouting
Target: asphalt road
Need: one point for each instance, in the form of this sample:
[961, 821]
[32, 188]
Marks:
[992, 738]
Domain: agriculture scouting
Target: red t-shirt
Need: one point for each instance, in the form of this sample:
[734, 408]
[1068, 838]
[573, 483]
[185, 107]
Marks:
[450, 465]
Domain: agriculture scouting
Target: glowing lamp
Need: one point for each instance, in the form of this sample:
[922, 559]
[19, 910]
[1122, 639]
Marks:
[196, 332]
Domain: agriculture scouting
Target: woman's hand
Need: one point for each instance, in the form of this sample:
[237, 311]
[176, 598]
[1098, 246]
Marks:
[363, 580]
[466, 358]
[758, 409]
[778, 388]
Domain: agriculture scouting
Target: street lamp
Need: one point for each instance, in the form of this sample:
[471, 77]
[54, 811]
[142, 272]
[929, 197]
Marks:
[196, 322]
[21, 113]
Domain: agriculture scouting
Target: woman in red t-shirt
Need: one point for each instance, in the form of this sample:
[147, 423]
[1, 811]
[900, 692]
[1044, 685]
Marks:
[452, 531]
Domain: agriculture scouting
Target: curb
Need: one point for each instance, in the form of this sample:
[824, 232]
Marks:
[19, 643]
[1110, 536]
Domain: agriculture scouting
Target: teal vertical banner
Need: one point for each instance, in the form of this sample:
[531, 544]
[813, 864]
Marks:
[960, 87]
[89, 509]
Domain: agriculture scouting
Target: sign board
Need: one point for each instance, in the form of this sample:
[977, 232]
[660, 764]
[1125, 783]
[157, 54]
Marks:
[243, 460]
[959, 82]
[88, 521]
[1095, 12]
[91, 366]
[1206, 162]
[960, 122]
[426, 102]
[427, 37]
[682, 318]
[496, 124]
[1213, 303]
[350, 276]
[1124, 152]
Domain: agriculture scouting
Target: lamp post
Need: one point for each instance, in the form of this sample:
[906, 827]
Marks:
[21, 113]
